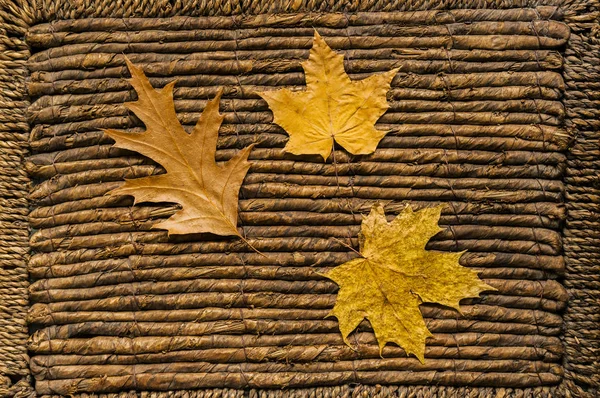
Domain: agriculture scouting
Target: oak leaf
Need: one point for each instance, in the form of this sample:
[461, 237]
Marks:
[395, 275]
[206, 191]
[333, 107]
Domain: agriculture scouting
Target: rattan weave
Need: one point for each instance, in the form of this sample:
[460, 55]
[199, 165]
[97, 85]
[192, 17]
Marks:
[492, 112]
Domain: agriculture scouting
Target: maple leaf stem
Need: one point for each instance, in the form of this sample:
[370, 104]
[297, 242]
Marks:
[348, 246]
[334, 162]
[250, 245]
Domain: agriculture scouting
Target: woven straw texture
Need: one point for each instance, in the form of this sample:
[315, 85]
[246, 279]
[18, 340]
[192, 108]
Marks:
[187, 313]
[582, 180]
[14, 184]
[487, 116]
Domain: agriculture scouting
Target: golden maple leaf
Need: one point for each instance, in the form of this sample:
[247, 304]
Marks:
[333, 107]
[206, 191]
[395, 275]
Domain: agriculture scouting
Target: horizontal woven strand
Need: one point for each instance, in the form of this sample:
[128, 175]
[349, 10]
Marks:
[298, 355]
[307, 302]
[545, 28]
[125, 215]
[382, 365]
[185, 108]
[345, 171]
[286, 244]
[56, 192]
[549, 79]
[266, 326]
[92, 144]
[196, 253]
[316, 205]
[416, 17]
[108, 283]
[56, 265]
[461, 42]
[40, 67]
[176, 288]
[313, 320]
[111, 345]
[518, 299]
[541, 236]
[164, 381]
[233, 92]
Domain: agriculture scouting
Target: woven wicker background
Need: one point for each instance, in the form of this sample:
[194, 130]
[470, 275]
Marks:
[183, 313]
[100, 271]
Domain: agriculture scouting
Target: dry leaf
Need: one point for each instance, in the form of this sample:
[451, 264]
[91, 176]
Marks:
[332, 106]
[207, 191]
[395, 275]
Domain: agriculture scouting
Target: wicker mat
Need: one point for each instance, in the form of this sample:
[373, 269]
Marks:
[493, 112]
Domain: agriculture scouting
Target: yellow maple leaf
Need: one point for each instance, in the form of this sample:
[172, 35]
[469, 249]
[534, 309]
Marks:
[395, 275]
[333, 107]
[207, 191]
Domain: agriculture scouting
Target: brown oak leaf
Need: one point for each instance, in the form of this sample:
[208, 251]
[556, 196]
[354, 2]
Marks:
[395, 275]
[332, 107]
[206, 191]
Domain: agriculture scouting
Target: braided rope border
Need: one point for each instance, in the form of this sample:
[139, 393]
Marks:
[581, 235]
[14, 186]
[582, 229]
